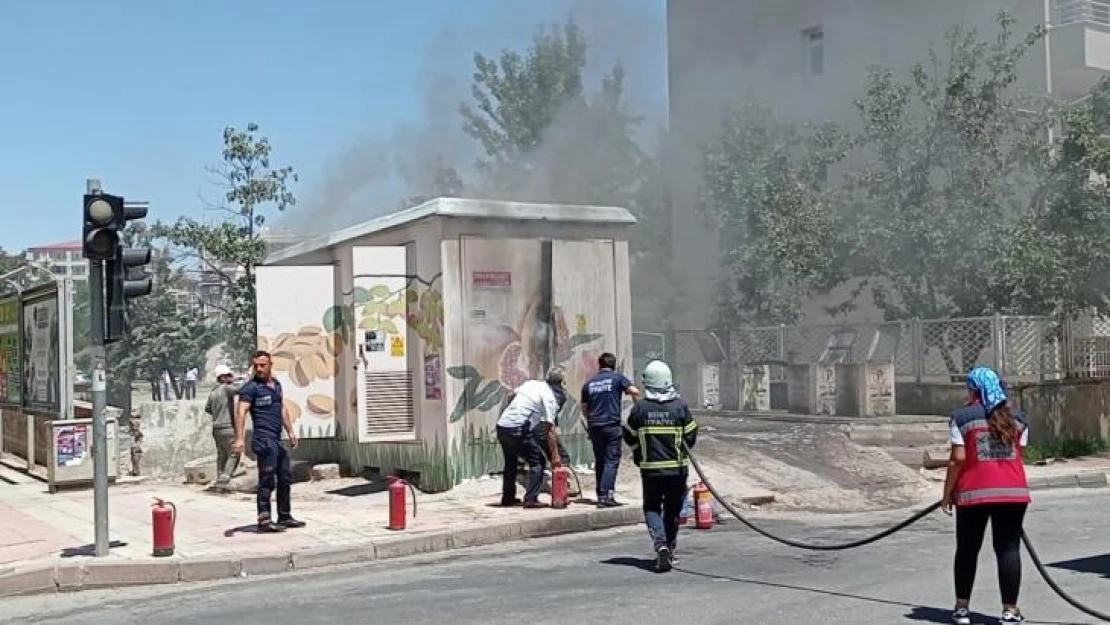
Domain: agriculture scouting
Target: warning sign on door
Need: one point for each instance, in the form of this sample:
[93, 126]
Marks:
[397, 347]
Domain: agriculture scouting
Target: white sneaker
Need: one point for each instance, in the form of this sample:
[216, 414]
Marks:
[961, 616]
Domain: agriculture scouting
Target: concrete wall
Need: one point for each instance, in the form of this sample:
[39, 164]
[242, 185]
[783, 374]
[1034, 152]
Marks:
[173, 434]
[1056, 410]
[911, 398]
[1066, 409]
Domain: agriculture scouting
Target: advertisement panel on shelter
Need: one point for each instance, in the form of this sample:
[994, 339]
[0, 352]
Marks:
[10, 371]
[42, 353]
[71, 445]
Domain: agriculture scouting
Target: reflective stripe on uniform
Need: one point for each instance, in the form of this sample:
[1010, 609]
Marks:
[663, 430]
[984, 494]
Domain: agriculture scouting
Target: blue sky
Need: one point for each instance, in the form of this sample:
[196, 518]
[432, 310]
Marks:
[137, 93]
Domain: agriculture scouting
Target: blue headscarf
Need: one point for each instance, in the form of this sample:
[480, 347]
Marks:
[984, 380]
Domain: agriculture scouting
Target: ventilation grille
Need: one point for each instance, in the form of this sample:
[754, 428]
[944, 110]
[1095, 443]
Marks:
[389, 408]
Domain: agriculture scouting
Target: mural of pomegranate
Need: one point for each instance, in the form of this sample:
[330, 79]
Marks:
[509, 368]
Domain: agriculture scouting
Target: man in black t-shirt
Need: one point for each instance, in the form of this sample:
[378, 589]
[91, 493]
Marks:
[262, 397]
[601, 404]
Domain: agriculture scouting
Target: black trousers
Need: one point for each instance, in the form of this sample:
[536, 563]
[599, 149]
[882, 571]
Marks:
[1006, 520]
[663, 498]
[519, 444]
[606, 441]
[275, 469]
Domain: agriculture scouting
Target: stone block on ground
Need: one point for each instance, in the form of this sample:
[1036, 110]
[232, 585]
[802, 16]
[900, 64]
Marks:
[327, 471]
[201, 470]
[935, 459]
[302, 471]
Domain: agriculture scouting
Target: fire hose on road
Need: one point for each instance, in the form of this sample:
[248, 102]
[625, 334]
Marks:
[883, 534]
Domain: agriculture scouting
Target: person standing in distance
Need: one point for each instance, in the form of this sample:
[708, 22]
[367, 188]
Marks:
[262, 398]
[986, 483]
[660, 429]
[220, 406]
[601, 405]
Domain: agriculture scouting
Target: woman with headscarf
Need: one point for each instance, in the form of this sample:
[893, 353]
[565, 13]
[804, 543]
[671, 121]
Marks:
[986, 483]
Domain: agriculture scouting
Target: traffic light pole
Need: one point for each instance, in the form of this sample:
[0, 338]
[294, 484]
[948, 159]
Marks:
[99, 399]
[99, 403]
[110, 261]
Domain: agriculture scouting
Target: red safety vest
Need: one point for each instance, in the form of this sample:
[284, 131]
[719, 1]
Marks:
[993, 471]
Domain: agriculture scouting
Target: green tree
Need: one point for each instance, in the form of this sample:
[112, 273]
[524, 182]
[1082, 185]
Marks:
[781, 233]
[230, 249]
[951, 156]
[543, 138]
[165, 329]
[445, 181]
[1066, 232]
[9, 262]
[81, 326]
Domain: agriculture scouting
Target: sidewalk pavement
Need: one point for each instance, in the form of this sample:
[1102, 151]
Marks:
[45, 539]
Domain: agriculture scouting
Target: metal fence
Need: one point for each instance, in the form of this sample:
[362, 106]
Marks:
[1021, 348]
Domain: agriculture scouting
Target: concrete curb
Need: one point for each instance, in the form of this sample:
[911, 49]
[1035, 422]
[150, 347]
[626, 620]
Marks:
[1087, 479]
[71, 575]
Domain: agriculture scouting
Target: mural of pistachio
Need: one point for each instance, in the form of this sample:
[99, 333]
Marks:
[303, 357]
[321, 404]
[293, 408]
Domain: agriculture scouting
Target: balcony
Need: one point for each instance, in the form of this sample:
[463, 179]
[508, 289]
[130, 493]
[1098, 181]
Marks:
[1080, 40]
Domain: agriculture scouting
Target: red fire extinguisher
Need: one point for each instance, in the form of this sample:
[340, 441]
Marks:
[397, 512]
[703, 507]
[560, 487]
[163, 520]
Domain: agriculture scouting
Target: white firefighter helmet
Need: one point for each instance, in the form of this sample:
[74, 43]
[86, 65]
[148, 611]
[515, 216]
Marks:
[657, 375]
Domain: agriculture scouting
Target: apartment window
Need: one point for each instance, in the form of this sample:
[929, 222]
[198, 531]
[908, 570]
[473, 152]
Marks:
[814, 42]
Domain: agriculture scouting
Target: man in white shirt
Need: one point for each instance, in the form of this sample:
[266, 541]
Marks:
[533, 403]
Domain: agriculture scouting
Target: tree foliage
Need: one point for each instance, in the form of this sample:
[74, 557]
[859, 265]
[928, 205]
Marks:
[950, 161]
[164, 330]
[782, 238]
[543, 137]
[9, 262]
[229, 249]
[951, 202]
[1066, 232]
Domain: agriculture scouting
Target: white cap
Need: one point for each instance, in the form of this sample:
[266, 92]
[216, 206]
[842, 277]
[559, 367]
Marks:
[222, 370]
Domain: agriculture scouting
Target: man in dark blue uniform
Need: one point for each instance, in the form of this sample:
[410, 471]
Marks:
[262, 398]
[601, 405]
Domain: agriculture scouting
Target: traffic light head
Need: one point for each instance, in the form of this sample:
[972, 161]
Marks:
[104, 218]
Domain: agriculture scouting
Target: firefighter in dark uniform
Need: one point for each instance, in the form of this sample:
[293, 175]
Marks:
[659, 429]
[601, 405]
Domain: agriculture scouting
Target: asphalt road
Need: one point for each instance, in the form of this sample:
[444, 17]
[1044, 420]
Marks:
[727, 575]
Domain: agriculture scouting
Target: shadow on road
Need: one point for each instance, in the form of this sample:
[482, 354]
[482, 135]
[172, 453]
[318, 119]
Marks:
[916, 613]
[1097, 565]
[643, 564]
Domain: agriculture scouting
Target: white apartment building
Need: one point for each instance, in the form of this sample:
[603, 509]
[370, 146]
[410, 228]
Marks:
[808, 59]
[64, 259]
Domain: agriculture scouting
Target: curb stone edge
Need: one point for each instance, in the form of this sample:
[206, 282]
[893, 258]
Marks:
[59, 575]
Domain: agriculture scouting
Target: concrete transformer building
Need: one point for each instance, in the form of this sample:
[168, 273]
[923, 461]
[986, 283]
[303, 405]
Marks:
[397, 340]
